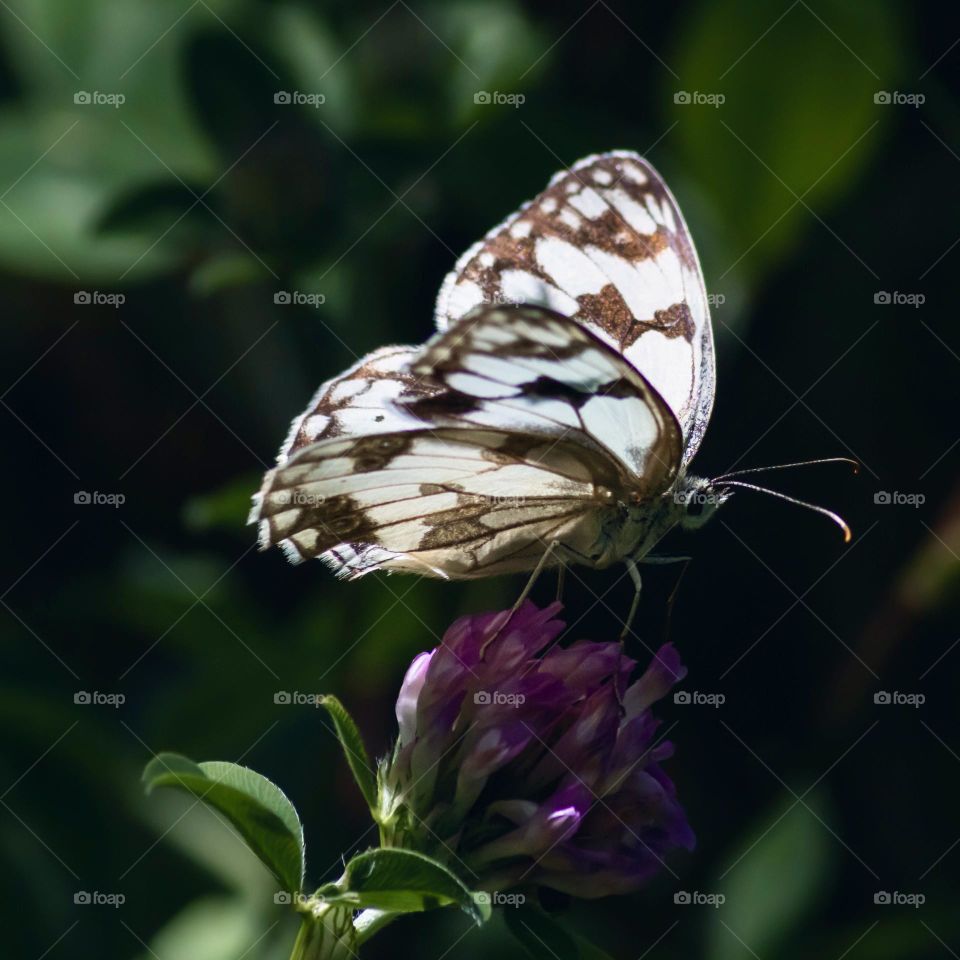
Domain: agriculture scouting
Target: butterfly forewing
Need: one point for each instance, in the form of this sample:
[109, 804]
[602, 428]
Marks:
[605, 244]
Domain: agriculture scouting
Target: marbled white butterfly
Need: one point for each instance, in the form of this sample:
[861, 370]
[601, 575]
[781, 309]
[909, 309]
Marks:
[553, 415]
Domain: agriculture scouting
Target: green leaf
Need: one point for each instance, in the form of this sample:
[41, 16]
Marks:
[308, 49]
[501, 43]
[257, 808]
[215, 928]
[401, 881]
[771, 143]
[81, 158]
[772, 881]
[353, 748]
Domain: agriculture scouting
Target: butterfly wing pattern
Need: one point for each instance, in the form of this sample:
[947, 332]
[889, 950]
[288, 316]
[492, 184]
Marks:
[567, 389]
[531, 370]
[605, 244]
[361, 401]
[525, 444]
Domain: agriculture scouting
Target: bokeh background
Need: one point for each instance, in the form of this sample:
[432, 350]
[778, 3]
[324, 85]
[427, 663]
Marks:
[823, 185]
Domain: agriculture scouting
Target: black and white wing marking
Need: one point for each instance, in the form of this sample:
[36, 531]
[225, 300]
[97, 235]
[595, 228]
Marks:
[360, 401]
[445, 502]
[530, 441]
[532, 370]
[605, 244]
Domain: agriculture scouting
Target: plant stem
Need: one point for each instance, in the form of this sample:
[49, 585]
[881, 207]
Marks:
[330, 932]
[326, 933]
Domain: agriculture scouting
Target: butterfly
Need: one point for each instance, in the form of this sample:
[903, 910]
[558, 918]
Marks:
[552, 417]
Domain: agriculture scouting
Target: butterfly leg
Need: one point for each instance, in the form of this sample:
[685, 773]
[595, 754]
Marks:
[638, 585]
[561, 575]
[537, 570]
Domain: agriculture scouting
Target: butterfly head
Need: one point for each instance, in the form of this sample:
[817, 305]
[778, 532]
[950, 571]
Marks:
[696, 500]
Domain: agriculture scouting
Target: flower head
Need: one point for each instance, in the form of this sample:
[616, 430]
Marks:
[517, 758]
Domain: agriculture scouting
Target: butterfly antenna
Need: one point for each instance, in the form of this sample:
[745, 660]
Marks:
[786, 466]
[835, 517]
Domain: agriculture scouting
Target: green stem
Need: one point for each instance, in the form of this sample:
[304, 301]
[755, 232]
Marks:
[330, 932]
[326, 933]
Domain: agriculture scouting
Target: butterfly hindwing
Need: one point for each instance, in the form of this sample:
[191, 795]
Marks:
[451, 502]
[536, 428]
[360, 401]
[605, 244]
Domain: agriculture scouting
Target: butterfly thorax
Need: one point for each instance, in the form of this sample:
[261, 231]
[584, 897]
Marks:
[634, 530]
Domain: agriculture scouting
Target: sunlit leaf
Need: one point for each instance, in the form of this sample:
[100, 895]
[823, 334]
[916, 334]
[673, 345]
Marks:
[257, 808]
[353, 748]
[402, 881]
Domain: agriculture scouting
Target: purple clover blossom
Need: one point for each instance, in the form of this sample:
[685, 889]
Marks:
[517, 762]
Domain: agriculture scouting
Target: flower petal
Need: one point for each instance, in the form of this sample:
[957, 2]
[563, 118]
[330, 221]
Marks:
[410, 689]
[665, 670]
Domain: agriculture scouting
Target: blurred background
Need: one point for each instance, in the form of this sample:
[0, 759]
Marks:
[167, 169]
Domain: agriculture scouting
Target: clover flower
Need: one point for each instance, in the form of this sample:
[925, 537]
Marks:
[522, 763]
